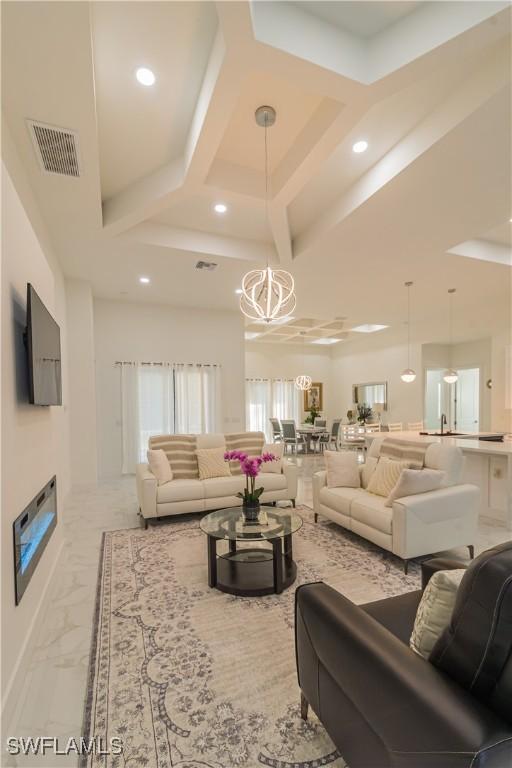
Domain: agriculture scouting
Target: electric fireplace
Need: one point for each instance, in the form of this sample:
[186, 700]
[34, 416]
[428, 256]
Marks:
[32, 531]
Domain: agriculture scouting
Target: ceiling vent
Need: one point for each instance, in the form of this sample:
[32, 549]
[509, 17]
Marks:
[56, 148]
[208, 265]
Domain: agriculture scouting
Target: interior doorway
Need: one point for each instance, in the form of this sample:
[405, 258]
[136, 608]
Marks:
[460, 402]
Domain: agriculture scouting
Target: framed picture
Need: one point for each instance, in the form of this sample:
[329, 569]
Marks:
[314, 397]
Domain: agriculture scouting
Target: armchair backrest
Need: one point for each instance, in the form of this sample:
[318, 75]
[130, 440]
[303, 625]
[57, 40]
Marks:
[476, 648]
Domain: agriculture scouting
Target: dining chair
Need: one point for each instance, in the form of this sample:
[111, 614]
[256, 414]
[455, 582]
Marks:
[331, 438]
[415, 426]
[315, 438]
[375, 427]
[290, 436]
[352, 437]
[395, 426]
[277, 435]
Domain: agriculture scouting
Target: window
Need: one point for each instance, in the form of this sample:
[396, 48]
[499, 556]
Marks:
[270, 398]
[166, 399]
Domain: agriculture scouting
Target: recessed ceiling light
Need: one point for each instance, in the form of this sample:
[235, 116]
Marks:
[326, 341]
[145, 76]
[239, 291]
[250, 335]
[360, 146]
[510, 221]
[368, 328]
[144, 280]
[220, 208]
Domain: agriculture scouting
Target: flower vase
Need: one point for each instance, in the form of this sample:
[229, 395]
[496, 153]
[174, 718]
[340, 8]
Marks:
[251, 512]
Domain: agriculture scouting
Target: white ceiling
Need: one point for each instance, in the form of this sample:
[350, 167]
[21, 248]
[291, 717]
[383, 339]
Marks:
[426, 84]
[363, 19]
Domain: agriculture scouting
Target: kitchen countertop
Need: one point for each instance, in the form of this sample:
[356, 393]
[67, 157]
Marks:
[468, 444]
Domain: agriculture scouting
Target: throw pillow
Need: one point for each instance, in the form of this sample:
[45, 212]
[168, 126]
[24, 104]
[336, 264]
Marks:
[414, 481]
[211, 463]
[277, 450]
[159, 466]
[250, 443]
[342, 469]
[181, 454]
[435, 610]
[367, 469]
[386, 475]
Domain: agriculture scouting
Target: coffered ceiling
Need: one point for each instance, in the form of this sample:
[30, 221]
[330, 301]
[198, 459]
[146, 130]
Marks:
[426, 84]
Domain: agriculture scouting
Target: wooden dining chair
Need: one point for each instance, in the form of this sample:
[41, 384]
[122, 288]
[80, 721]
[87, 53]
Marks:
[395, 426]
[375, 427]
[415, 426]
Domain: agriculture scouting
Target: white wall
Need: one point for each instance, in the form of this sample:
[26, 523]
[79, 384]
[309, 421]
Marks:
[82, 383]
[287, 361]
[148, 332]
[34, 438]
[374, 359]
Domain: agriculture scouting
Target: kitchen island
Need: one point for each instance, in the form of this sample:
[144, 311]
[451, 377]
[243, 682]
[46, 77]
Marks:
[488, 465]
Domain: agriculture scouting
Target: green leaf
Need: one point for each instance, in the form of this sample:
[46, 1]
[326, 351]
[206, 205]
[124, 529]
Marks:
[258, 492]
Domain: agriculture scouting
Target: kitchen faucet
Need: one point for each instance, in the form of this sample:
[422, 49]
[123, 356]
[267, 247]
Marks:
[443, 422]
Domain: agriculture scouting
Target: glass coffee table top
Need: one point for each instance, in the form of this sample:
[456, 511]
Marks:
[229, 524]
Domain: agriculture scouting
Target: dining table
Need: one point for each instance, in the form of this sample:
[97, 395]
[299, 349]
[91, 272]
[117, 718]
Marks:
[308, 432]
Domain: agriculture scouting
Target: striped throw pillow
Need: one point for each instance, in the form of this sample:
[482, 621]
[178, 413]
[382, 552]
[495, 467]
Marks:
[181, 454]
[250, 443]
[386, 476]
[405, 450]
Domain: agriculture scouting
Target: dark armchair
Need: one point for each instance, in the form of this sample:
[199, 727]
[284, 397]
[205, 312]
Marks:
[383, 705]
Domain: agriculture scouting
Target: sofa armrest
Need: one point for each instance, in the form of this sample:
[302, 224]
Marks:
[146, 490]
[319, 482]
[419, 715]
[292, 477]
[429, 567]
[435, 521]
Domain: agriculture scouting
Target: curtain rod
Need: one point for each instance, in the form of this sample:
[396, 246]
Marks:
[195, 365]
[287, 380]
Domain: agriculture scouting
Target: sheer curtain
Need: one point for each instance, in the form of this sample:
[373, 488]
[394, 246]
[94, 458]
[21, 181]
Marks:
[266, 398]
[198, 402]
[258, 406]
[164, 399]
[285, 400]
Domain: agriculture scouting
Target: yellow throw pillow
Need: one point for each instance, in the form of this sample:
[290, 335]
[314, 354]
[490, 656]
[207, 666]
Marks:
[210, 462]
[386, 475]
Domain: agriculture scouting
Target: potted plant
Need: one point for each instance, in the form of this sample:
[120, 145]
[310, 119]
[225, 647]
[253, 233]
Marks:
[314, 413]
[251, 467]
[364, 413]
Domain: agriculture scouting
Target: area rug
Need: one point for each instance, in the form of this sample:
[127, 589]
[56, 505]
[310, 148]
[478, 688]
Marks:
[188, 676]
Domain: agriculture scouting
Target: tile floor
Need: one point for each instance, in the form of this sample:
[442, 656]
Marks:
[51, 700]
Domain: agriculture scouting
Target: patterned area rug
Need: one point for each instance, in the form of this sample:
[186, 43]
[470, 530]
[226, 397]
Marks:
[188, 676]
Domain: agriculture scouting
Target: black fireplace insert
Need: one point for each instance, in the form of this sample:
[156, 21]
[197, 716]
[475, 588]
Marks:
[32, 531]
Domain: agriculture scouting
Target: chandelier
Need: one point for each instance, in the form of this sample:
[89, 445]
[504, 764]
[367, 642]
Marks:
[450, 376]
[303, 382]
[267, 294]
[408, 376]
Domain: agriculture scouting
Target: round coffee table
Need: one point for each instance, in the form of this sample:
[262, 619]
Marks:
[251, 571]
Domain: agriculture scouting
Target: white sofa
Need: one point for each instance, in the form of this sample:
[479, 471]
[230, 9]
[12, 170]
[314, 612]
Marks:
[180, 496]
[414, 525]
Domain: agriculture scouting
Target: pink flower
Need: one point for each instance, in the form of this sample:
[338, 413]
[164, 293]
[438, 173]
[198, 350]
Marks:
[250, 467]
[268, 457]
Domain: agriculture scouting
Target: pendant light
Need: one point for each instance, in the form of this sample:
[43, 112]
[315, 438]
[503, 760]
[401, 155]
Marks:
[303, 382]
[267, 294]
[408, 375]
[450, 376]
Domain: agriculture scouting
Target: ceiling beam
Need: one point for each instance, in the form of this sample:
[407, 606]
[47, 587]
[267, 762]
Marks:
[465, 100]
[204, 243]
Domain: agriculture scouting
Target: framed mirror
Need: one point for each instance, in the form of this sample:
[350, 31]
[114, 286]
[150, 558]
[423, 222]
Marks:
[372, 393]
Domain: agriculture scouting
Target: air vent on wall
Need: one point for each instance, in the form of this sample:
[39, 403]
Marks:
[56, 148]
[209, 265]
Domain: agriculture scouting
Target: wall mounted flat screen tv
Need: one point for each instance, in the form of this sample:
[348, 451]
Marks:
[43, 347]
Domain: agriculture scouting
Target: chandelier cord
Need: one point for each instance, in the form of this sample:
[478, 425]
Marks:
[266, 177]
[408, 326]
